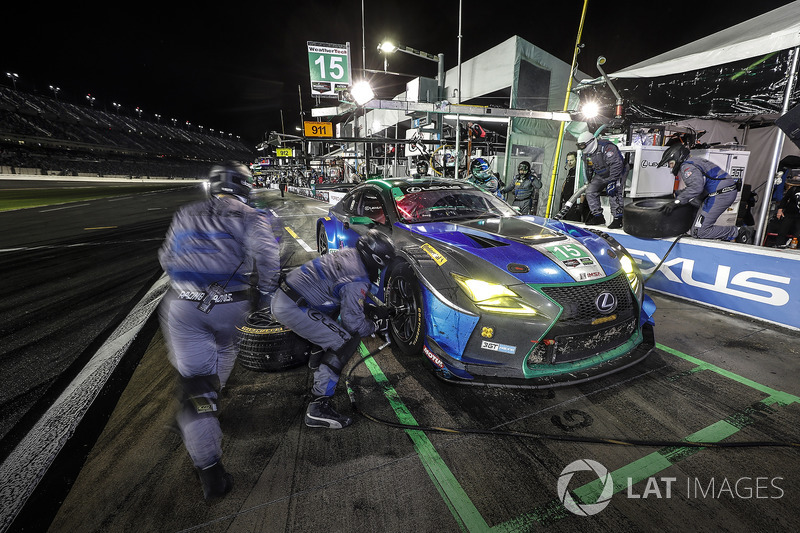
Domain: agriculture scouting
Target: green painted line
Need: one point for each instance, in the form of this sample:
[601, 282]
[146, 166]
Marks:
[464, 511]
[469, 518]
[779, 396]
[658, 461]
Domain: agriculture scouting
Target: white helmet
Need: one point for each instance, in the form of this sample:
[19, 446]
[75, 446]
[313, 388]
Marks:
[587, 142]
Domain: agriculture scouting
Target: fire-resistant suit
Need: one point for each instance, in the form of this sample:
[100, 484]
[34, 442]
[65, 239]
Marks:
[224, 241]
[311, 298]
[604, 166]
[525, 188]
[705, 179]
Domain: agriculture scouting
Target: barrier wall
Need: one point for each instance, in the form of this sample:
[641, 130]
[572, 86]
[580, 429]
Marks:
[748, 280]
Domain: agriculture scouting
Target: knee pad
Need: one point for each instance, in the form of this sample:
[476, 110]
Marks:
[196, 393]
[336, 359]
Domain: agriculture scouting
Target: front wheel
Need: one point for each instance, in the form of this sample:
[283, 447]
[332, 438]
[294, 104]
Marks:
[403, 292]
[322, 241]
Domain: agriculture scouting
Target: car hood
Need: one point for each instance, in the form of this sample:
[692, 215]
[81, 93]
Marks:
[531, 249]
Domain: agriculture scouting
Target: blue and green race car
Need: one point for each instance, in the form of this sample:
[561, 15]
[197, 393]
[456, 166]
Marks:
[493, 297]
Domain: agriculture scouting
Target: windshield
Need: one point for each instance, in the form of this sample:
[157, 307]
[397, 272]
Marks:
[425, 205]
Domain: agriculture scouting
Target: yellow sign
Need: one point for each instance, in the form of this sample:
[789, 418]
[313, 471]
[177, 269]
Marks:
[284, 152]
[318, 129]
[438, 258]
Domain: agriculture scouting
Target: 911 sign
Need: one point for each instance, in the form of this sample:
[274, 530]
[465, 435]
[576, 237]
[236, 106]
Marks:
[329, 67]
[318, 129]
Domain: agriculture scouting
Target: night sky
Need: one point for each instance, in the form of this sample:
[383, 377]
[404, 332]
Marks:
[235, 69]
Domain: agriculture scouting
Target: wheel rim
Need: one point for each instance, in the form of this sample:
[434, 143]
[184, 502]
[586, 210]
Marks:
[404, 324]
[322, 242]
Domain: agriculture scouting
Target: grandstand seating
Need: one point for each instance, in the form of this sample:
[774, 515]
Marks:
[47, 136]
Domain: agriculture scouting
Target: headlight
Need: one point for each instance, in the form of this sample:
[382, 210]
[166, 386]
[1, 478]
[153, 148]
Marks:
[632, 272]
[492, 297]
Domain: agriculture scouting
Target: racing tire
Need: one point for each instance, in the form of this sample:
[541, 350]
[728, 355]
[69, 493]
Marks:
[322, 240]
[266, 345]
[403, 292]
[643, 218]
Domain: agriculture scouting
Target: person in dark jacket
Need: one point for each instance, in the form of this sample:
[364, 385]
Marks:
[525, 189]
[709, 187]
[605, 169]
[309, 301]
[568, 189]
[788, 214]
[212, 251]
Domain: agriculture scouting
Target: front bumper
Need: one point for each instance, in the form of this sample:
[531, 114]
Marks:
[558, 375]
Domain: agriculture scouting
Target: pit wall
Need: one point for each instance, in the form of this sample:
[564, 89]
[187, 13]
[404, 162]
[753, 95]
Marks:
[743, 279]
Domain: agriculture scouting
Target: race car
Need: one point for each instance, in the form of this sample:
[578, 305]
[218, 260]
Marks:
[493, 297]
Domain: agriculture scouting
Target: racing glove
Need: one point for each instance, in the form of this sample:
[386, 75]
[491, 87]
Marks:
[376, 312]
[668, 208]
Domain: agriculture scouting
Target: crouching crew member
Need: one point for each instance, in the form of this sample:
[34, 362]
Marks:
[211, 250]
[313, 295]
[707, 183]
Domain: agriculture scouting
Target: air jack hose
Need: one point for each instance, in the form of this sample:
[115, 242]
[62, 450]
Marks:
[546, 436]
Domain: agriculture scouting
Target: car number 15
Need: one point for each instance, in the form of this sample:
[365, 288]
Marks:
[567, 251]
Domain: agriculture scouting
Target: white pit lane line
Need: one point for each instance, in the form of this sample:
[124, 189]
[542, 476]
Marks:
[300, 241]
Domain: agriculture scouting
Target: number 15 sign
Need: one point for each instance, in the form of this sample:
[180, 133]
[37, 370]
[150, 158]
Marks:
[329, 65]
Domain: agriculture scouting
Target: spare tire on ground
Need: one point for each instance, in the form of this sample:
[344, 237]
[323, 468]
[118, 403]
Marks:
[266, 345]
[643, 218]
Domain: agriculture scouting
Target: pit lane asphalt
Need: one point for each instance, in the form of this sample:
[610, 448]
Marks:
[714, 377]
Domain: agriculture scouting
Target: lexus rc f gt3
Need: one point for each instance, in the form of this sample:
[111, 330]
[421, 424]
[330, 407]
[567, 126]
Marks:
[493, 297]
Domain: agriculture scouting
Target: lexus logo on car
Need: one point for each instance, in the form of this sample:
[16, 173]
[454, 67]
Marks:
[606, 303]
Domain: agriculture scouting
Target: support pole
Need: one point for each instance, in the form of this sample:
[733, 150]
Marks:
[761, 223]
[566, 108]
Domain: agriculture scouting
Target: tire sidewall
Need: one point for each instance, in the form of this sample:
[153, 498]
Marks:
[414, 346]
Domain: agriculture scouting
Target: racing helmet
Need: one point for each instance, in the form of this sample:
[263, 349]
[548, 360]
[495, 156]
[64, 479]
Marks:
[676, 152]
[586, 142]
[422, 167]
[524, 167]
[376, 250]
[480, 169]
[231, 177]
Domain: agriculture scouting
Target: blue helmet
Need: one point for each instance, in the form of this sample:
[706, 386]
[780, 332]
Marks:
[480, 168]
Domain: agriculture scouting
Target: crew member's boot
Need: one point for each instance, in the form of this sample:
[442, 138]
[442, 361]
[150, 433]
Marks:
[216, 481]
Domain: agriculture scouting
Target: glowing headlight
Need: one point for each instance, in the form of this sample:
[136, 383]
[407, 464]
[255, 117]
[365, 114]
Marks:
[632, 272]
[492, 297]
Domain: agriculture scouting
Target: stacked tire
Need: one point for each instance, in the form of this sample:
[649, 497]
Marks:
[266, 345]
